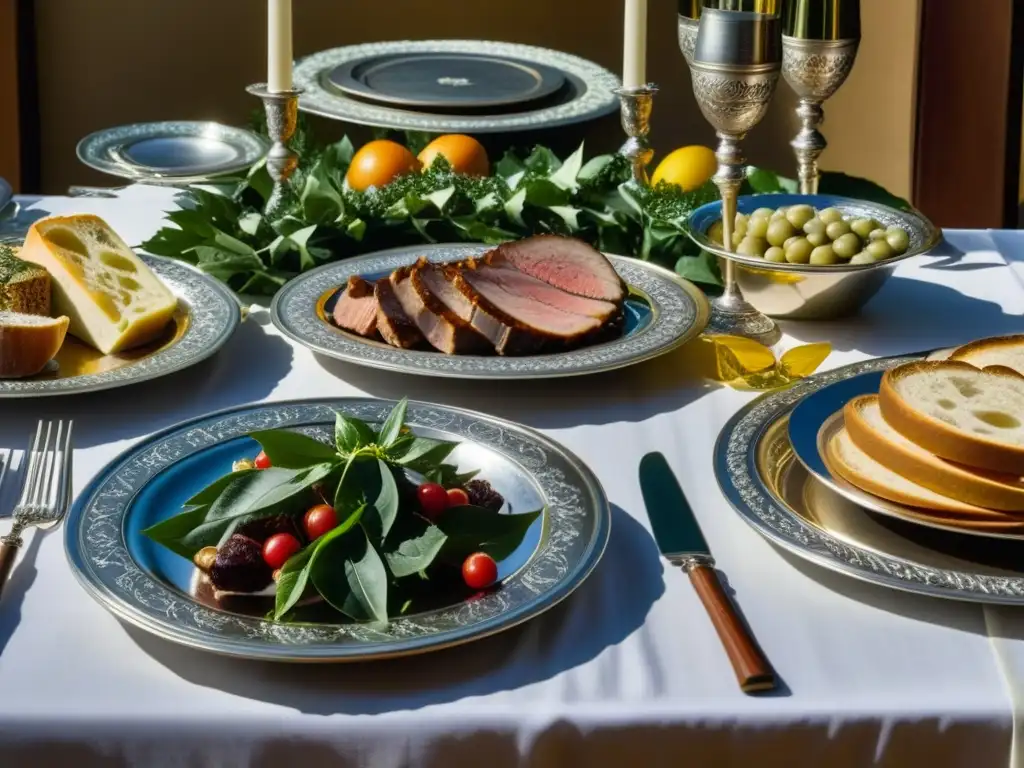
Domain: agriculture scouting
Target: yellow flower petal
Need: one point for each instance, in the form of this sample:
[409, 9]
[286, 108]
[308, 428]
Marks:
[804, 360]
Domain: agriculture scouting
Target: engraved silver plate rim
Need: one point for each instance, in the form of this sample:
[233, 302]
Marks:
[214, 315]
[94, 539]
[597, 100]
[293, 312]
[735, 463]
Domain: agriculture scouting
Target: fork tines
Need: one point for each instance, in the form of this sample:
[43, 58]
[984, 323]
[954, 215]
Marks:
[48, 469]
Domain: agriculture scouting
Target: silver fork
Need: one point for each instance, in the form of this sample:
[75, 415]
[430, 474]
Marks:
[47, 490]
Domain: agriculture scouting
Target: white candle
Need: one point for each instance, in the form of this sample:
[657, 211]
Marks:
[279, 45]
[634, 44]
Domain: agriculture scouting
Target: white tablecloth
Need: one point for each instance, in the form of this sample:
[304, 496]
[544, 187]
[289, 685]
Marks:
[626, 672]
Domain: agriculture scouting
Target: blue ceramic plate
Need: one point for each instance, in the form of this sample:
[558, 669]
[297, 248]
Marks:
[149, 586]
[922, 233]
[663, 313]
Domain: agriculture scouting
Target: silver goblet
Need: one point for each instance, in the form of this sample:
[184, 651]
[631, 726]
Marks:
[819, 45]
[735, 69]
[689, 20]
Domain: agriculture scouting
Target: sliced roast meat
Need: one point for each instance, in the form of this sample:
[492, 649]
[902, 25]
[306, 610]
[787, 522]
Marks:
[356, 309]
[571, 265]
[523, 285]
[443, 328]
[498, 295]
[393, 323]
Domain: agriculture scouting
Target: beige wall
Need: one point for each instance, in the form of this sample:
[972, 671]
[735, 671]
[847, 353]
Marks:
[109, 62]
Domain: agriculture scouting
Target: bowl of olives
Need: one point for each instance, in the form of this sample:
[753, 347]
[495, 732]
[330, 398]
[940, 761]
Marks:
[813, 257]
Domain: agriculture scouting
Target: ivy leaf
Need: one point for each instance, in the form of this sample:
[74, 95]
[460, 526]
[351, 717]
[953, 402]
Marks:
[514, 207]
[381, 494]
[568, 214]
[565, 177]
[420, 453]
[474, 529]
[210, 493]
[440, 198]
[250, 223]
[542, 161]
[291, 583]
[351, 434]
[545, 193]
[321, 203]
[351, 576]
[417, 553]
[392, 427]
[509, 165]
[291, 450]
[699, 269]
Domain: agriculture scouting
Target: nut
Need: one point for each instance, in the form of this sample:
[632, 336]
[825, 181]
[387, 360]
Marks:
[205, 558]
[241, 464]
[276, 575]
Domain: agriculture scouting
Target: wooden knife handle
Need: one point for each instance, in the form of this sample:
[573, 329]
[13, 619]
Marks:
[8, 553]
[753, 672]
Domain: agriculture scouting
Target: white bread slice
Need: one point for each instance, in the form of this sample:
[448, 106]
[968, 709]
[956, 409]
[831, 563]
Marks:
[958, 412]
[28, 343]
[114, 301]
[876, 437]
[843, 458]
[1002, 351]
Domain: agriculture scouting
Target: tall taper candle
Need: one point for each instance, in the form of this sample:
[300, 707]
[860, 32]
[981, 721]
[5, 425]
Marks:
[634, 44]
[279, 45]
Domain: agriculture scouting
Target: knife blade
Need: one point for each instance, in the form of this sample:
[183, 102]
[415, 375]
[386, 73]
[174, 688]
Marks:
[682, 543]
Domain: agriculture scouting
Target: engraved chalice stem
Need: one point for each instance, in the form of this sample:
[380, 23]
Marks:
[808, 145]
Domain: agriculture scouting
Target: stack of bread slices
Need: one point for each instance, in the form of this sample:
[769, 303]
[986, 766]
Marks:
[943, 435]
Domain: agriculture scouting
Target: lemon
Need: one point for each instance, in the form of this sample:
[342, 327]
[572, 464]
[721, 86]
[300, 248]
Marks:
[689, 167]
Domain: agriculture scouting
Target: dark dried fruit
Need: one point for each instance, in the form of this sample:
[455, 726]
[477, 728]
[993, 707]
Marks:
[265, 527]
[239, 566]
[481, 494]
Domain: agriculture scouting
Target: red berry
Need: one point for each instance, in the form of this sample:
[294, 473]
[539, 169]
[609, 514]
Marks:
[433, 499]
[319, 520]
[457, 497]
[262, 461]
[479, 571]
[278, 548]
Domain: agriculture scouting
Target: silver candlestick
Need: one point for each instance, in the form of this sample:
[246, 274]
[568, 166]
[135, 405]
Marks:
[637, 104]
[282, 108]
[735, 68]
[819, 45]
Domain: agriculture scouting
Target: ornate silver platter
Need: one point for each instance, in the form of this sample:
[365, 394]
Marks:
[177, 152]
[207, 315]
[773, 492]
[150, 587]
[663, 313]
[586, 94]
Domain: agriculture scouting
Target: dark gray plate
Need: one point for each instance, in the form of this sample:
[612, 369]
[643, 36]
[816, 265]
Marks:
[439, 81]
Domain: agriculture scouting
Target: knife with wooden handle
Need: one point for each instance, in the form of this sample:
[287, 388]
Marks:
[681, 542]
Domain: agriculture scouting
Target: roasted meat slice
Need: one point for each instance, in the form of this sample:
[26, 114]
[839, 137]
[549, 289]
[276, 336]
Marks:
[393, 323]
[570, 265]
[356, 309]
[442, 327]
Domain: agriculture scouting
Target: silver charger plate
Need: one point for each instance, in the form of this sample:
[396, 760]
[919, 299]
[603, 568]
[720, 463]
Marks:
[588, 89]
[109, 556]
[674, 309]
[178, 151]
[207, 310]
[772, 491]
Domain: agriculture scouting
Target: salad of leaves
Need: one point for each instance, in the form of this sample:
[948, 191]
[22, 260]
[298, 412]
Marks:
[384, 548]
[222, 229]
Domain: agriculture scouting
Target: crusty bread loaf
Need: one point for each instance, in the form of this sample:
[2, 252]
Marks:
[958, 412]
[28, 343]
[1000, 351]
[846, 460]
[877, 438]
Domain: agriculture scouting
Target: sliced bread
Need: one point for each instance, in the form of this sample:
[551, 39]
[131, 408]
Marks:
[28, 343]
[876, 437]
[958, 412]
[845, 460]
[1001, 351]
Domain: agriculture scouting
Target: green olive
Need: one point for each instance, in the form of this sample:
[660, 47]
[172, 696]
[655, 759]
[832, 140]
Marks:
[830, 215]
[740, 224]
[897, 239]
[799, 215]
[762, 213]
[823, 254]
[780, 213]
[864, 227]
[799, 251]
[757, 227]
[837, 229]
[880, 249]
[775, 254]
[846, 246]
[876, 234]
[715, 232]
[779, 231]
[863, 258]
[791, 240]
[813, 226]
[737, 238]
[817, 238]
[752, 246]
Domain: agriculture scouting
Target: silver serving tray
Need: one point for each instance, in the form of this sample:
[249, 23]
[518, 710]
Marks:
[208, 313]
[678, 312]
[125, 573]
[772, 491]
[588, 96]
[178, 151]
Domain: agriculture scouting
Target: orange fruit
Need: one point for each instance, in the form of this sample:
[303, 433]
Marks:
[464, 154]
[379, 163]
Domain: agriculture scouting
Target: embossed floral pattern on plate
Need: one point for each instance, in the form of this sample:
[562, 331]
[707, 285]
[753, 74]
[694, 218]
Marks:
[577, 520]
[679, 312]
